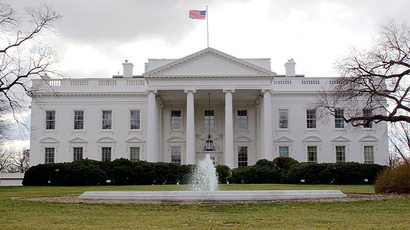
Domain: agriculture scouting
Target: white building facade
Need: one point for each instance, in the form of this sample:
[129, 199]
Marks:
[167, 114]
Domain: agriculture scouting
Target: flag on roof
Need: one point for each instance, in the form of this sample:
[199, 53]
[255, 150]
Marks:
[197, 14]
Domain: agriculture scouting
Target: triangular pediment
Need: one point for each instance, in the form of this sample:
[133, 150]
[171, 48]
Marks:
[134, 140]
[77, 140]
[340, 139]
[284, 139]
[209, 63]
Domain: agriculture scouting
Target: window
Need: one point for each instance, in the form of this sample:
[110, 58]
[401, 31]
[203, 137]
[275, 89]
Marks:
[209, 119]
[135, 119]
[242, 119]
[49, 155]
[312, 153]
[311, 118]
[134, 154]
[106, 119]
[242, 156]
[340, 154]
[368, 155]
[284, 151]
[50, 119]
[339, 122]
[106, 153]
[368, 113]
[176, 119]
[176, 154]
[78, 153]
[79, 119]
[283, 118]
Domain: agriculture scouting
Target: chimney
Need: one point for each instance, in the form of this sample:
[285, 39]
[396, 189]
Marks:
[127, 69]
[290, 68]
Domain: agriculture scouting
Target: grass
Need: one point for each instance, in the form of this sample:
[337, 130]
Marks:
[17, 214]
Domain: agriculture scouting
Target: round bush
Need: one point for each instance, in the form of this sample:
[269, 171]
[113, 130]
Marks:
[394, 180]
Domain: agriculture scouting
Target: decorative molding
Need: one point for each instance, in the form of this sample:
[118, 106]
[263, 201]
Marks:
[49, 140]
[189, 90]
[228, 90]
[106, 140]
[263, 91]
[152, 91]
[77, 140]
[369, 138]
[82, 94]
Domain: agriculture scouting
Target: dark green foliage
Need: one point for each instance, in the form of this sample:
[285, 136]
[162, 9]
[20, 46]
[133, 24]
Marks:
[223, 173]
[260, 173]
[264, 163]
[394, 180]
[284, 162]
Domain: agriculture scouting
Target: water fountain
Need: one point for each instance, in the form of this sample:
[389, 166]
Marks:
[204, 177]
[205, 188]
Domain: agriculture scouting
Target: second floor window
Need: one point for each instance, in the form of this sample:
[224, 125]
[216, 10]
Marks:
[79, 119]
[339, 122]
[135, 119]
[209, 119]
[106, 119]
[242, 120]
[176, 119]
[311, 118]
[50, 119]
[283, 118]
[367, 113]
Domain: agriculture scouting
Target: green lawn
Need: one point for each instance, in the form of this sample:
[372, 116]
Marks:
[16, 214]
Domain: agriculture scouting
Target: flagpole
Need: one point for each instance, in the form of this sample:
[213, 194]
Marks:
[207, 27]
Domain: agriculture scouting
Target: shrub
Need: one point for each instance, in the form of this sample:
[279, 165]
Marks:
[265, 163]
[284, 162]
[223, 173]
[394, 180]
[82, 172]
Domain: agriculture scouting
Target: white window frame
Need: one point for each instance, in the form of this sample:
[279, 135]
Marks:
[287, 119]
[139, 153]
[103, 157]
[54, 122]
[344, 153]
[240, 120]
[74, 119]
[311, 119]
[366, 160]
[139, 120]
[211, 118]
[316, 153]
[339, 119]
[74, 153]
[48, 157]
[283, 146]
[111, 119]
[241, 162]
[181, 120]
[176, 159]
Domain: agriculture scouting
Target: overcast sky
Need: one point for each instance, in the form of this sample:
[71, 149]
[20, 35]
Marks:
[94, 37]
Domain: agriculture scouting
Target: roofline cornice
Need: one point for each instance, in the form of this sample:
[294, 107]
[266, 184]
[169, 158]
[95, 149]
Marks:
[89, 94]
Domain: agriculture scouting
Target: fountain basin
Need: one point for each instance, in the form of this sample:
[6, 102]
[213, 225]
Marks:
[235, 195]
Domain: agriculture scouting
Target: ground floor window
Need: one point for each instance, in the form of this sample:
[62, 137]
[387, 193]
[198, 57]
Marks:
[78, 153]
[368, 155]
[106, 153]
[49, 155]
[312, 153]
[134, 154]
[284, 151]
[242, 156]
[340, 154]
[176, 154]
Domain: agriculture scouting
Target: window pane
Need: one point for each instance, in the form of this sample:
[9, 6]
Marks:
[283, 119]
[78, 153]
[134, 154]
[176, 154]
[368, 113]
[135, 119]
[339, 122]
[311, 118]
[368, 155]
[340, 153]
[49, 155]
[312, 153]
[242, 119]
[209, 119]
[176, 119]
[242, 156]
[284, 151]
[50, 119]
[106, 119]
[106, 153]
[79, 119]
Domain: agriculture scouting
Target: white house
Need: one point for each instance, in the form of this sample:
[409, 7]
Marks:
[168, 114]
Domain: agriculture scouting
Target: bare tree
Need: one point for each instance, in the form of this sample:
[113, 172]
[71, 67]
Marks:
[5, 157]
[375, 83]
[22, 55]
[20, 161]
[399, 139]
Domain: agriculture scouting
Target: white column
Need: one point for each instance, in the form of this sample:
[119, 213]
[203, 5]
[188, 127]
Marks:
[190, 127]
[267, 124]
[152, 134]
[228, 139]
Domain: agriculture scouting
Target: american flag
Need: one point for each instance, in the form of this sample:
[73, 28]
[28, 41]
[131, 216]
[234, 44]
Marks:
[197, 14]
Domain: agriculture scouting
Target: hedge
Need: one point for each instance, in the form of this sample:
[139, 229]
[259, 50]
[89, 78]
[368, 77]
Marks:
[124, 172]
